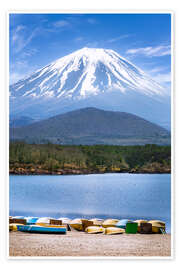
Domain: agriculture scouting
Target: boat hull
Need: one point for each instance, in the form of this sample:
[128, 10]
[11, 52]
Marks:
[139, 222]
[94, 229]
[158, 226]
[77, 227]
[109, 223]
[114, 230]
[42, 229]
[122, 223]
[76, 224]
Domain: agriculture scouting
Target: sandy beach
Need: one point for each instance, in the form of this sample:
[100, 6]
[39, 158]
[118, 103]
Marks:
[82, 244]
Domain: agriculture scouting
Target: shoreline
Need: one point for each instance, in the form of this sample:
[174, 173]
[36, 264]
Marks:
[76, 243]
[73, 172]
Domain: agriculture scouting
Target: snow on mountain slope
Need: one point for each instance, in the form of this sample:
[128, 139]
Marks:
[86, 72]
[86, 77]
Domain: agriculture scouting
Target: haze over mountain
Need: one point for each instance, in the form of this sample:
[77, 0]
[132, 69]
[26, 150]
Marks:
[93, 126]
[90, 77]
[21, 121]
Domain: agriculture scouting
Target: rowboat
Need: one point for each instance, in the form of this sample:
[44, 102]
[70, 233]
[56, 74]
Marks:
[158, 226]
[114, 230]
[18, 217]
[97, 221]
[65, 220]
[145, 228]
[31, 220]
[95, 229]
[76, 224]
[43, 220]
[131, 227]
[109, 223]
[158, 222]
[139, 222]
[42, 229]
[13, 227]
[122, 223]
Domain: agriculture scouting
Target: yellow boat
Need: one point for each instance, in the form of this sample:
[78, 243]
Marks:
[65, 220]
[97, 221]
[76, 224]
[13, 227]
[139, 222]
[109, 223]
[114, 230]
[95, 229]
[157, 226]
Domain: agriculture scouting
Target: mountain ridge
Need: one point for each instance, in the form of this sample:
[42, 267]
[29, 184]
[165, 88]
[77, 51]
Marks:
[92, 126]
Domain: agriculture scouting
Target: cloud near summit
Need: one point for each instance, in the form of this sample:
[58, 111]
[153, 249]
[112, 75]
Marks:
[157, 51]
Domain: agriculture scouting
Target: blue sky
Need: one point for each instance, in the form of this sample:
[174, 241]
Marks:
[38, 39]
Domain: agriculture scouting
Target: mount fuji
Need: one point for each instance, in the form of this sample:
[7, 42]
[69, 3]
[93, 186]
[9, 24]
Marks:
[90, 77]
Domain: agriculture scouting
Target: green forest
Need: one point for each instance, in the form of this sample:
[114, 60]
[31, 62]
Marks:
[82, 159]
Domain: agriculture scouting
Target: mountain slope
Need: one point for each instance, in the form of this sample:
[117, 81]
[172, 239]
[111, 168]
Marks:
[21, 121]
[93, 126]
[90, 77]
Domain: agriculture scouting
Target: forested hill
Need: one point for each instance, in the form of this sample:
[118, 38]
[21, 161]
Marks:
[70, 159]
[90, 126]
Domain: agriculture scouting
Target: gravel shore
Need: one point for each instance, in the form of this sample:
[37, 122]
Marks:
[82, 244]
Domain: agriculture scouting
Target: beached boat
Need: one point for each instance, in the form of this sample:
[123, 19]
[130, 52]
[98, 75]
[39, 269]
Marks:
[13, 227]
[95, 229]
[122, 223]
[65, 220]
[43, 220]
[114, 230]
[76, 224]
[139, 222]
[42, 229]
[158, 226]
[110, 223]
[97, 221]
[131, 227]
[17, 220]
[18, 217]
[31, 220]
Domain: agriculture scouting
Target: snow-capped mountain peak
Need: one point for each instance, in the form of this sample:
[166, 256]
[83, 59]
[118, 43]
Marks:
[90, 77]
[84, 73]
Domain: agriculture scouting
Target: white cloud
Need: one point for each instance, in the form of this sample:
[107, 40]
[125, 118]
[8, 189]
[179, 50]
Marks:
[29, 53]
[20, 38]
[157, 69]
[61, 24]
[118, 38]
[151, 51]
[15, 76]
[16, 32]
[163, 78]
[20, 69]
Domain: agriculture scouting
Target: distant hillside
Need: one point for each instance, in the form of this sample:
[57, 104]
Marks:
[21, 121]
[93, 126]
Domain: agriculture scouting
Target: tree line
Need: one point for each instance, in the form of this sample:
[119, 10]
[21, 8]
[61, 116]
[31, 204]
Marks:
[53, 157]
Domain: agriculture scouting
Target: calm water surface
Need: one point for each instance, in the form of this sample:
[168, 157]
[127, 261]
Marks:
[134, 196]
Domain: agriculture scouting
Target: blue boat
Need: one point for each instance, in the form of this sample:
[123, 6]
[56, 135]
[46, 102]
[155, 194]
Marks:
[42, 229]
[31, 220]
[122, 223]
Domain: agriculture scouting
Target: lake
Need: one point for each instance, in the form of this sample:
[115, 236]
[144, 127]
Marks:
[133, 196]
